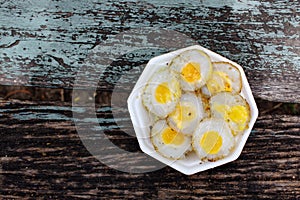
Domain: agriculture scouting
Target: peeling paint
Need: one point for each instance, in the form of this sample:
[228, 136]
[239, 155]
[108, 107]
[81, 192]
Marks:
[42, 116]
[261, 36]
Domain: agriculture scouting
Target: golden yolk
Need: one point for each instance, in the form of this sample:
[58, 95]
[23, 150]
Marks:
[191, 72]
[237, 114]
[211, 142]
[183, 112]
[163, 93]
[170, 136]
[220, 82]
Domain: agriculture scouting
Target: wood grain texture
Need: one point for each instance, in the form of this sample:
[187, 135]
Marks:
[42, 156]
[52, 44]
[47, 43]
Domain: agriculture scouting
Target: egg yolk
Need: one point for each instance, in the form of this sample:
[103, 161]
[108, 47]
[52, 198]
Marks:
[191, 72]
[163, 93]
[211, 142]
[219, 82]
[238, 114]
[170, 136]
[183, 112]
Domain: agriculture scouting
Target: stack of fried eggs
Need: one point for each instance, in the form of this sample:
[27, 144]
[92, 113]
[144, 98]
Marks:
[197, 106]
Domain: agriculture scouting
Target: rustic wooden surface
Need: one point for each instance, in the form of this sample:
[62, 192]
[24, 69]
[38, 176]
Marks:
[47, 43]
[42, 156]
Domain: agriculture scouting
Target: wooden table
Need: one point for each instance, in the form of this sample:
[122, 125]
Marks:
[54, 46]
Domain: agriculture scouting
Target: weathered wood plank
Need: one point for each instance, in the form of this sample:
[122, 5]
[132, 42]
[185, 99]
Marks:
[45, 43]
[42, 156]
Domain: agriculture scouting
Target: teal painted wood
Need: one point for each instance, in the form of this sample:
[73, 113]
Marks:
[45, 43]
[42, 156]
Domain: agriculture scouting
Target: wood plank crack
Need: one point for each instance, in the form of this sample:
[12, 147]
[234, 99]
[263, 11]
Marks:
[59, 61]
[6, 46]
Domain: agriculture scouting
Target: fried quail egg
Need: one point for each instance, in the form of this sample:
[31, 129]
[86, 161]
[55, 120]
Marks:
[168, 142]
[162, 93]
[187, 114]
[233, 109]
[225, 78]
[212, 139]
[194, 67]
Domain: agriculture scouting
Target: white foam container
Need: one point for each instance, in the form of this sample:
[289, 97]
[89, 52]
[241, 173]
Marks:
[142, 121]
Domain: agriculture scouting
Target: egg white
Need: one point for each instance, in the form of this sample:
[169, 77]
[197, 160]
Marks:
[225, 78]
[187, 114]
[223, 103]
[204, 67]
[171, 151]
[216, 125]
[170, 81]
